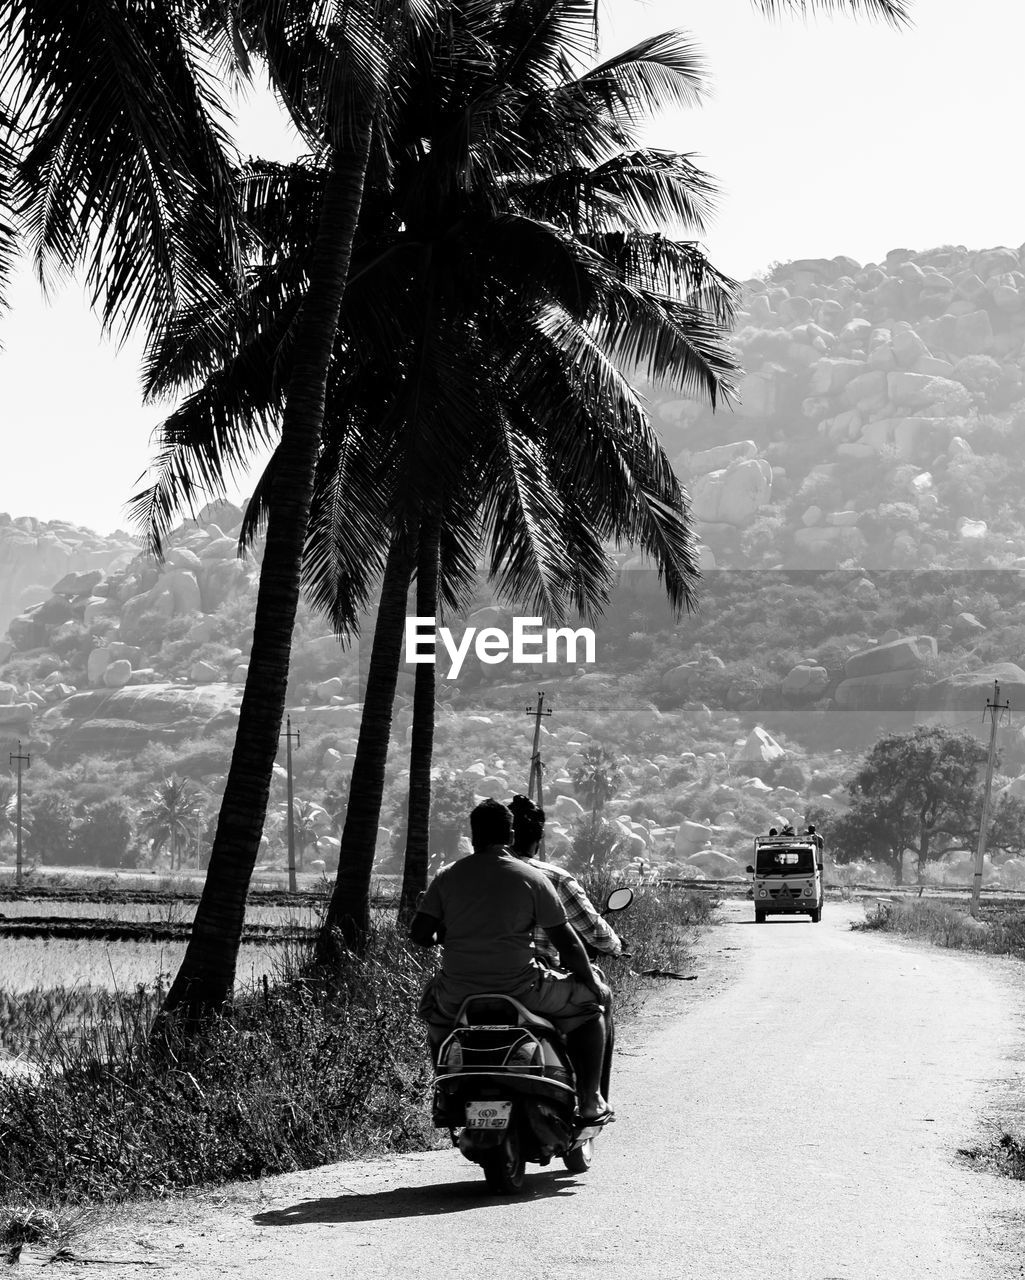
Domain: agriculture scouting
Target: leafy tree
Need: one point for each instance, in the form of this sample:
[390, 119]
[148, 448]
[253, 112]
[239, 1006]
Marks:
[597, 778]
[50, 827]
[919, 792]
[451, 802]
[103, 835]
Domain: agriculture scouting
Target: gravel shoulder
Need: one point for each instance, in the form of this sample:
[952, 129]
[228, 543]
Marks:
[795, 1113]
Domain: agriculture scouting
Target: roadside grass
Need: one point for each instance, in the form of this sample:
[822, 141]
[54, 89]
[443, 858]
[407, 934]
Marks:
[1002, 933]
[1005, 1155]
[286, 1079]
[655, 929]
[282, 1081]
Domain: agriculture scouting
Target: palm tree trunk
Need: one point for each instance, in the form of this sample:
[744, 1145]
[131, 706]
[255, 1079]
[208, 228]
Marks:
[421, 747]
[207, 972]
[349, 909]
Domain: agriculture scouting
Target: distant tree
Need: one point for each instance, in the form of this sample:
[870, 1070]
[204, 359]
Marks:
[452, 798]
[596, 843]
[50, 828]
[170, 818]
[310, 821]
[104, 834]
[920, 792]
[597, 778]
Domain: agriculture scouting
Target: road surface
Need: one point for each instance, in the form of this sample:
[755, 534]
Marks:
[794, 1114]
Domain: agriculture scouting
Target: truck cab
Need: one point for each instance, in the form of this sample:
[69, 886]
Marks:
[787, 874]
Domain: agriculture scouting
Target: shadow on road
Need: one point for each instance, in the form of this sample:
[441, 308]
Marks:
[413, 1202]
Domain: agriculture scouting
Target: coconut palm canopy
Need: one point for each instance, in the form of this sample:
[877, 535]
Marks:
[118, 165]
[480, 342]
[499, 279]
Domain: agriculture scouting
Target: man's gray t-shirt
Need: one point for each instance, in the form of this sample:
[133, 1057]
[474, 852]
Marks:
[489, 904]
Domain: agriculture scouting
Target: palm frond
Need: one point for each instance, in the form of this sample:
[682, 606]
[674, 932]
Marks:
[120, 125]
[8, 226]
[640, 189]
[346, 540]
[522, 516]
[895, 12]
[660, 72]
[210, 438]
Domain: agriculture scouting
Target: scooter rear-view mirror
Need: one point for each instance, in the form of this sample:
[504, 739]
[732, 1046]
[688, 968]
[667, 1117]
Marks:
[619, 899]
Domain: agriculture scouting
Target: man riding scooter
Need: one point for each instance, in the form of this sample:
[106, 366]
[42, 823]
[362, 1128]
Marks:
[483, 910]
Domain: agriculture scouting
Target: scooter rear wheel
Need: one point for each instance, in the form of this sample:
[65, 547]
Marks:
[505, 1166]
[578, 1160]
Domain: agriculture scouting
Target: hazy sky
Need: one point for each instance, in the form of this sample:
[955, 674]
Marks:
[835, 136]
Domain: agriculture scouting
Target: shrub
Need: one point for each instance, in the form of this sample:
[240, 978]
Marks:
[283, 1081]
[102, 837]
[50, 828]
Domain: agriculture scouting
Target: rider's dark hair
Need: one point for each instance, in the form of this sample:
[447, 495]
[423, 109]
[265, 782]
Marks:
[490, 823]
[528, 823]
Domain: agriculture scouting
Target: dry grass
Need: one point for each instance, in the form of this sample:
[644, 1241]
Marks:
[1001, 934]
[1005, 1155]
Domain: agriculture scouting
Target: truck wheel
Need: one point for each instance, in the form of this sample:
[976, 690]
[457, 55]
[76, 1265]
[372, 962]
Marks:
[759, 916]
[505, 1166]
[816, 915]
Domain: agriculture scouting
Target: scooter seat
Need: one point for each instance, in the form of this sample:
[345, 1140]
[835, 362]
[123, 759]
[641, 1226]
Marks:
[476, 1010]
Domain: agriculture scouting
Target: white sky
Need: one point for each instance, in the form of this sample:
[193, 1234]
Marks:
[835, 136]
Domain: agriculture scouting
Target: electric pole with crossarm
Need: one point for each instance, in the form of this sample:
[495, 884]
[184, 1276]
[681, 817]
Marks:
[536, 765]
[994, 710]
[20, 760]
[288, 735]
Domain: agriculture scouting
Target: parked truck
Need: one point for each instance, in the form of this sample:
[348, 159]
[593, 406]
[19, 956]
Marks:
[787, 874]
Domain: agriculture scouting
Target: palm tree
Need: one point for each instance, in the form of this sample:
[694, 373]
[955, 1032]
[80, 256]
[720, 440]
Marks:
[335, 69]
[170, 817]
[8, 806]
[597, 778]
[623, 253]
[309, 822]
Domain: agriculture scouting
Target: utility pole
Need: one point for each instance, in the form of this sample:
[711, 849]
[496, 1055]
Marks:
[20, 760]
[536, 767]
[288, 736]
[994, 710]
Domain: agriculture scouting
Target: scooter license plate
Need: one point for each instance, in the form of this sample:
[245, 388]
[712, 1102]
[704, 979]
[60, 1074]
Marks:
[488, 1115]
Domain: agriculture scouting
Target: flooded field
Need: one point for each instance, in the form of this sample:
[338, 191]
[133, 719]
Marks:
[32, 964]
[180, 911]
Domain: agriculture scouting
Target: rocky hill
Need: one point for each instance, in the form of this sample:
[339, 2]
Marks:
[881, 417]
[35, 554]
[863, 542]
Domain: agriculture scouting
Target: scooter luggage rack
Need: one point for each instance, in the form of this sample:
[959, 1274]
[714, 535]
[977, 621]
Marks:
[533, 1072]
[531, 1062]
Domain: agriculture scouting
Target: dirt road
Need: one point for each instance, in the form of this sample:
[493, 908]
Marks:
[795, 1114]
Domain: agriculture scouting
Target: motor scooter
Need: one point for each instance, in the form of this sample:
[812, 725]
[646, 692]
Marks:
[505, 1087]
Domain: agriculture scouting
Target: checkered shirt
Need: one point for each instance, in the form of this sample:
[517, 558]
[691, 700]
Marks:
[580, 913]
